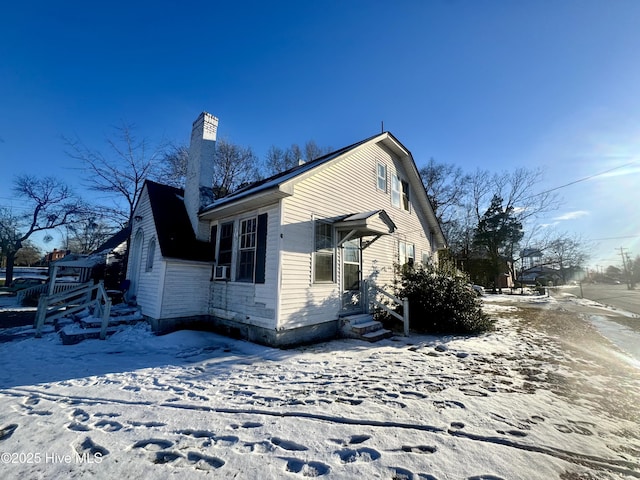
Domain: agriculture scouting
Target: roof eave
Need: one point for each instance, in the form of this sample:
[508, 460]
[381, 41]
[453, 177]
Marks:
[255, 200]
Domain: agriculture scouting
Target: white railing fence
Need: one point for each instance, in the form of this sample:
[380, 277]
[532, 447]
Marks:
[52, 307]
[40, 289]
[373, 292]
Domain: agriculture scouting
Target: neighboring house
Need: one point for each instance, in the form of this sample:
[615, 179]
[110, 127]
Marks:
[54, 256]
[281, 260]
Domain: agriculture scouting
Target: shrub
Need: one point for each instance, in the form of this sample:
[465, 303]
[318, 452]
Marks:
[440, 302]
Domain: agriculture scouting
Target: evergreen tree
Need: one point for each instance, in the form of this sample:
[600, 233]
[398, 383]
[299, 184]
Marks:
[497, 235]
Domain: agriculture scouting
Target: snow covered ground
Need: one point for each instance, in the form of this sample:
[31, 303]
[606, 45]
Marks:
[542, 397]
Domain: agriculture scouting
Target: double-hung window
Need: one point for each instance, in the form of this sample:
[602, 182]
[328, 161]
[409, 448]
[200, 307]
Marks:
[247, 250]
[399, 193]
[323, 258]
[382, 177]
[225, 252]
[406, 253]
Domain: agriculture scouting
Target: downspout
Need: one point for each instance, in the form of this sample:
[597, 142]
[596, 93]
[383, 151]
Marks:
[279, 265]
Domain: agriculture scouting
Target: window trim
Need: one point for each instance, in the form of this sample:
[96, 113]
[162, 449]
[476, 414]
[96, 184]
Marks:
[404, 255]
[250, 236]
[151, 253]
[380, 178]
[323, 252]
[396, 191]
[229, 250]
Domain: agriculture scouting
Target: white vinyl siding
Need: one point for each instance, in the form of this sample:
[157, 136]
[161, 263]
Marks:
[250, 303]
[186, 289]
[341, 188]
[149, 282]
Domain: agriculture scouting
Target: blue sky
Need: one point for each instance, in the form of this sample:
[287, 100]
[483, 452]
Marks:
[489, 84]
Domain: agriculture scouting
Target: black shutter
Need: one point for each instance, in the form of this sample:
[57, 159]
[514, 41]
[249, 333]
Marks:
[214, 239]
[261, 248]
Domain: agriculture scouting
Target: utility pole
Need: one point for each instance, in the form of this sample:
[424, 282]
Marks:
[624, 266]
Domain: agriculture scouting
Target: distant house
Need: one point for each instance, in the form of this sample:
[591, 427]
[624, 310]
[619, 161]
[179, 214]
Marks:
[279, 261]
[54, 256]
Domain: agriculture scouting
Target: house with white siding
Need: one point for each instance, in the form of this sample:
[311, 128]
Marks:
[285, 260]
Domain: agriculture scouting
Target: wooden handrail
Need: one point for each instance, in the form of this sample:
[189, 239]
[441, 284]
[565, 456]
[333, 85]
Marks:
[400, 301]
[86, 291]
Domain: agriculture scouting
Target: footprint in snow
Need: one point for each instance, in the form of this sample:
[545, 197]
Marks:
[78, 427]
[402, 474]
[88, 446]
[419, 449]
[204, 462]
[166, 457]
[153, 444]
[32, 400]
[515, 433]
[574, 427]
[109, 425]
[79, 415]
[472, 392]
[147, 424]
[306, 469]
[448, 404]
[348, 455]
[6, 432]
[288, 445]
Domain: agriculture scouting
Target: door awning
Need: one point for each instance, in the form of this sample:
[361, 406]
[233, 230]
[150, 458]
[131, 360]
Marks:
[366, 224]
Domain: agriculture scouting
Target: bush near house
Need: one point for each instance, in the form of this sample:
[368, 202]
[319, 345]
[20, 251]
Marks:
[440, 302]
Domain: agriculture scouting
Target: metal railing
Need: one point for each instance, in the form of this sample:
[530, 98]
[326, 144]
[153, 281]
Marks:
[404, 302]
[52, 307]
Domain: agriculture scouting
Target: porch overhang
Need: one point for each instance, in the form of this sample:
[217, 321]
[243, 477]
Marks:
[374, 224]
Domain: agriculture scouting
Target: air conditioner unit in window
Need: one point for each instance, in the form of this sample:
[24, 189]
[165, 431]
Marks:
[221, 273]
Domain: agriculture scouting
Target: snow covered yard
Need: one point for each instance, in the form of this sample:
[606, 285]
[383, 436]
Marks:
[542, 397]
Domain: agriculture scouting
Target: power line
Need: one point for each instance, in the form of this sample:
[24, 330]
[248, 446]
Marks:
[615, 238]
[584, 179]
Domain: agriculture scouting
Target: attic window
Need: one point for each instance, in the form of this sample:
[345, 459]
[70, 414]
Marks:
[399, 193]
[382, 177]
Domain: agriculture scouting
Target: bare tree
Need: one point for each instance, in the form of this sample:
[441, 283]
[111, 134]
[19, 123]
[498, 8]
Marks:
[567, 253]
[52, 205]
[278, 160]
[9, 233]
[121, 173]
[87, 234]
[173, 168]
[233, 167]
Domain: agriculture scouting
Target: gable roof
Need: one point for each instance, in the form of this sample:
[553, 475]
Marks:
[176, 237]
[279, 178]
[114, 241]
[281, 184]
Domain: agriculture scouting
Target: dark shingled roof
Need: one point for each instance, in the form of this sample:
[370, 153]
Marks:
[115, 241]
[175, 234]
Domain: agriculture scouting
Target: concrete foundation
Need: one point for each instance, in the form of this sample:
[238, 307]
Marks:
[272, 338]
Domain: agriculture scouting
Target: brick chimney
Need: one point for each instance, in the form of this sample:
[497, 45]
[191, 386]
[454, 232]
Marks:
[197, 191]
